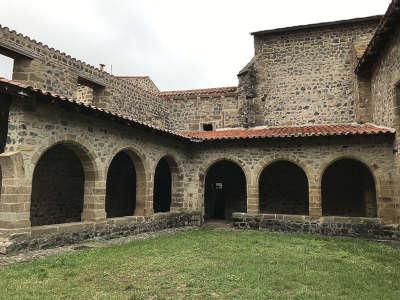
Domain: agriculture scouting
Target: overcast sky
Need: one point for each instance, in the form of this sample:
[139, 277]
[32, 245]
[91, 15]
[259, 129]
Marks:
[181, 44]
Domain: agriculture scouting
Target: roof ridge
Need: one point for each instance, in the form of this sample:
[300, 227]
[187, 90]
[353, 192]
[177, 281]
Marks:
[347, 129]
[200, 89]
[88, 106]
[75, 60]
[385, 26]
[317, 25]
[138, 76]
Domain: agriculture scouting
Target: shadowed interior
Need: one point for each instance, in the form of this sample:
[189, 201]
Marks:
[348, 189]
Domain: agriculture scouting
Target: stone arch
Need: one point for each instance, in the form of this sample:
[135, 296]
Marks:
[82, 149]
[167, 186]
[348, 188]
[283, 188]
[63, 183]
[224, 188]
[171, 187]
[262, 164]
[265, 162]
[139, 189]
[208, 163]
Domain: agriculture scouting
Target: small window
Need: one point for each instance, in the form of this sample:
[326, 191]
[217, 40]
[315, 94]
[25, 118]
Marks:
[13, 63]
[87, 90]
[207, 127]
[6, 67]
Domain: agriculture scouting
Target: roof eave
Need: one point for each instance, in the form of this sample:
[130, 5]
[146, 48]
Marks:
[317, 25]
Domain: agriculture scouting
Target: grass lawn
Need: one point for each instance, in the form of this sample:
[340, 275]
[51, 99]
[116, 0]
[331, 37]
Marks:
[205, 264]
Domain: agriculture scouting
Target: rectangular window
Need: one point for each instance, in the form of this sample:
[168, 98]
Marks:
[208, 127]
[87, 90]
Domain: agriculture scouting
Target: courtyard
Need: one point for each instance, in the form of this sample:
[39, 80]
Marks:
[213, 264]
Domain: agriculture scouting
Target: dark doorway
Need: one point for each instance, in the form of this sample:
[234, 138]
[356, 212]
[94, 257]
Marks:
[225, 190]
[121, 187]
[57, 187]
[348, 189]
[162, 187]
[283, 189]
[4, 112]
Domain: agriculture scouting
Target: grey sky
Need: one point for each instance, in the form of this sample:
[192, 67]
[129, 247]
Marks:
[180, 44]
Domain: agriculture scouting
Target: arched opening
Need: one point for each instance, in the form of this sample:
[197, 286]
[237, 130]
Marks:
[121, 186]
[58, 187]
[283, 189]
[162, 187]
[348, 189]
[225, 190]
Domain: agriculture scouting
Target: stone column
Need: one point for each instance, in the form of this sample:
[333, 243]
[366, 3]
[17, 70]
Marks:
[94, 209]
[252, 199]
[15, 196]
[315, 204]
[147, 208]
[387, 209]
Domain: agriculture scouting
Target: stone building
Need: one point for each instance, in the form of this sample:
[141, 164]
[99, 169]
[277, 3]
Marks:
[307, 141]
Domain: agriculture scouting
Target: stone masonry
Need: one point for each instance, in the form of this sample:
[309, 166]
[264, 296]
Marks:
[64, 123]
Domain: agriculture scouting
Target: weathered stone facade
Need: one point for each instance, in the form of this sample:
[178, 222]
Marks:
[48, 69]
[336, 226]
[306, 76]
[192, 109]
[81, 150]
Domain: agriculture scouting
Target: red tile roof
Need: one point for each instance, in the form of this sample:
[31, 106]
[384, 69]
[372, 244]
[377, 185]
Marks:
[7, 85]
[291, 132]
[15, 87]
[198, 92]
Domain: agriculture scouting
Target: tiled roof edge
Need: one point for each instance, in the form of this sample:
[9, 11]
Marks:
[376, 44]
[198, 92]
[26, 88]
[317, 25]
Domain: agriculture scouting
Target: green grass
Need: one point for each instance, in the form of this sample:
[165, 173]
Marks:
[204, 264]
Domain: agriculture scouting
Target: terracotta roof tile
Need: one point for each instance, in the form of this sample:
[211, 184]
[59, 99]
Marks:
[291, 132]
[198, 92]
[226, 134]
[131, 121]
[389, 23]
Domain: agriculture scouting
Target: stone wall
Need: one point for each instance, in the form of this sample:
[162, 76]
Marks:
[354, 227]
[385, 77]
[190, 113]
[306, 76]
[84, 94]
[71, 233]
[46, 68]
[144, 82]
[383, 82]
[312, 155]
[34, 128]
